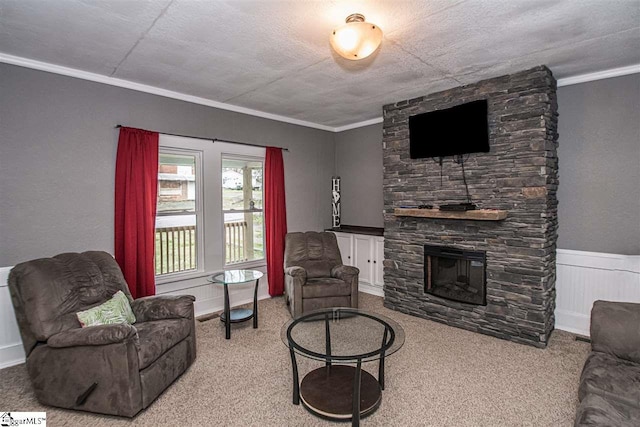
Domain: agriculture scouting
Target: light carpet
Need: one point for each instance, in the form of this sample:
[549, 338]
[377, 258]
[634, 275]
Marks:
[443, 376]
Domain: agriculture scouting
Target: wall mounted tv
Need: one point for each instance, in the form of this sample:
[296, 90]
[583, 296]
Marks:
[458, 130]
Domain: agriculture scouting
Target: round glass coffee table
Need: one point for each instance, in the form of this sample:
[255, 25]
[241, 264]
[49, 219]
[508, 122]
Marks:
[342, 338]
[233, 278]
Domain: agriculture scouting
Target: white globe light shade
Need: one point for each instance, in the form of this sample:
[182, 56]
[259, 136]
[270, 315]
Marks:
[356, 39]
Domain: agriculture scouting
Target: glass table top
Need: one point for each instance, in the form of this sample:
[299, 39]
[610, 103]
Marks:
[354, 334]
[231, 277]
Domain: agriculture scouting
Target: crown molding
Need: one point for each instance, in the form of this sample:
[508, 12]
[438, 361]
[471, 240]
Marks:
[358, 124]
[599, 75]
[567, 81]
[127, 84]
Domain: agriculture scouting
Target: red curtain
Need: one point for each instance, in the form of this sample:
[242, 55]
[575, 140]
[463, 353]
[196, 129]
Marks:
[135, 208]
[275, 210]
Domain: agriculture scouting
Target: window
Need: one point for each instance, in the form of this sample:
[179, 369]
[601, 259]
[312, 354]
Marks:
[210, 212]
[179, 215]
[242, 209]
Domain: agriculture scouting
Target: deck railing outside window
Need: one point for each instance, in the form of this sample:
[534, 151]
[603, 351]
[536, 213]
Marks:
[242, 209]
[175, 249]
[236, 248]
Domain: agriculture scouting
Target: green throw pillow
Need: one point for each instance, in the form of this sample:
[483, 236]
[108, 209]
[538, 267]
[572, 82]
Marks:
[116, 310]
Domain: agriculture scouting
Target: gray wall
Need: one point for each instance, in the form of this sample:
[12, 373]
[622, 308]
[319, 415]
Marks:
[599, 155]
[359, 164]
[58, 148]
[599, 167]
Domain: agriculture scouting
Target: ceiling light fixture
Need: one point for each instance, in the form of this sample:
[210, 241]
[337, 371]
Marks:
[356, 39]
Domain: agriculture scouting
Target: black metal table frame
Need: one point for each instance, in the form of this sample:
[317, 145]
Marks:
[387, 341]
[226, 317]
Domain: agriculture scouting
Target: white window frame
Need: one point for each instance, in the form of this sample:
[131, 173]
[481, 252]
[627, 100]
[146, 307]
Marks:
[211, 256]
[256, 262]
[200, 217]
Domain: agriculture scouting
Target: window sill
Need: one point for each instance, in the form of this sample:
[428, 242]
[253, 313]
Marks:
[180, 277]
[260, 264]
[257, 264]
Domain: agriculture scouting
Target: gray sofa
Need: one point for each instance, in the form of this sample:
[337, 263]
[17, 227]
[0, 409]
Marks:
[314, 276]
[609, 389]
[116, 369]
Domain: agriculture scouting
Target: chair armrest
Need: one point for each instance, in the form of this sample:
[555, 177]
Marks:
[349, 275]
[615, 329]
[93, 335]
[296, 272]
[161, 307]
[344, 272]
[294, 279]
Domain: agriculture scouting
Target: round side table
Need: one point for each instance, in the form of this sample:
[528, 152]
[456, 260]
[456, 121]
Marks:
[235, 278]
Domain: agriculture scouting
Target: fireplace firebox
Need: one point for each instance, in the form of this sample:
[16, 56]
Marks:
[455, 274]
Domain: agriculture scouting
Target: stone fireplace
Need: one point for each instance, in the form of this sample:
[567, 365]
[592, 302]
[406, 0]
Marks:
[518, 177]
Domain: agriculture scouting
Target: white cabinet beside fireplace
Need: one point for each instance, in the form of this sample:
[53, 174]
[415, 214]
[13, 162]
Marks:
[345, 244]
[367, 254]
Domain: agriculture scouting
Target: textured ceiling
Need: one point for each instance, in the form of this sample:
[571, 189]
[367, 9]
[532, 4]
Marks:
[274, 56]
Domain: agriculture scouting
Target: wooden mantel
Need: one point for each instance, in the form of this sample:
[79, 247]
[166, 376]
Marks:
[475, 215]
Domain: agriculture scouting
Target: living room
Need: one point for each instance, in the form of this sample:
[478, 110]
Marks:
[73, 71]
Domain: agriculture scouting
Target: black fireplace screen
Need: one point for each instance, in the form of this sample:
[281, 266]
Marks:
[455, 274]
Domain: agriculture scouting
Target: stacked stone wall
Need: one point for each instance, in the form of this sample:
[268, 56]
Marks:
[519, 174]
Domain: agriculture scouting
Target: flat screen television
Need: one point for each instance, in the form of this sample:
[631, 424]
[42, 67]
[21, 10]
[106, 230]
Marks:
[458, 130]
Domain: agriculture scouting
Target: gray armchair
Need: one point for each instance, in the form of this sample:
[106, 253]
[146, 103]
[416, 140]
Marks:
[314, 275]
[111, 369]
[609, 390]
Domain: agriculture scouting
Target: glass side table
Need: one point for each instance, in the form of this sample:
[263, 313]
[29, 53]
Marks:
[342, 338]
[234, 278]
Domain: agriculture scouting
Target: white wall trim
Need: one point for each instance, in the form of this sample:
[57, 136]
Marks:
[11, 350]
[599, 75]
[599, 260]
[4, 276]
[370, 289]
[11, 355]
[112, 81]
[359, 124]
[566, 81]
[215, 305]
[209, 299]
[584, 277]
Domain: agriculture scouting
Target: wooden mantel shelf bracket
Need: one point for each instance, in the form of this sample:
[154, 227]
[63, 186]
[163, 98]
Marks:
[475, 215]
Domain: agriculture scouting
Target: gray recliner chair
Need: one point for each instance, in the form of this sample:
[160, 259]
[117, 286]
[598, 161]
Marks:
[609, 390]
[314, 274]
[116, 369]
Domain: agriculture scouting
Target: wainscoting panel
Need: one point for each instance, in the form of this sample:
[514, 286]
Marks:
[584, 277]
[11, 351]
[209, 299]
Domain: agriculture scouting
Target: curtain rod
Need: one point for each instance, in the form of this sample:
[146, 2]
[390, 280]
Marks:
[213, 139]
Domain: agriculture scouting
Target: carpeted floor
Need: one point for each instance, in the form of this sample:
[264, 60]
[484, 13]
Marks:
[443, 376]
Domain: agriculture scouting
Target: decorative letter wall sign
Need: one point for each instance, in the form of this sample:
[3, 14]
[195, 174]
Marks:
[335, 201]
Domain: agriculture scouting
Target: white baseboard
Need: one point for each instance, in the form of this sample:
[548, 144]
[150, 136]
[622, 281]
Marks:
[210, 298]
[11, 350]
[370, 289]
[214, 305]
[576, 323]
[11, 355]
